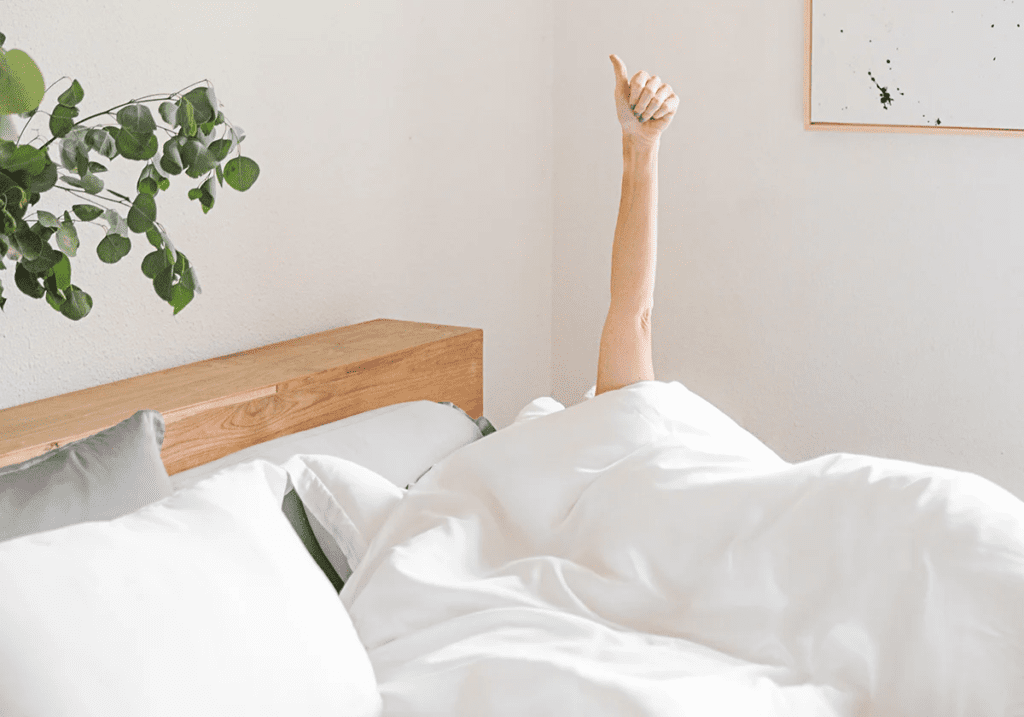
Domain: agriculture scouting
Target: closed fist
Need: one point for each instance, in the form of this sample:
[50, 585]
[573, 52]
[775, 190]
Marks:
[645, 104]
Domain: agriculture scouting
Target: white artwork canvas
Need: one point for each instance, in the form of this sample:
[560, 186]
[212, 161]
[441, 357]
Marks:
[917, 63]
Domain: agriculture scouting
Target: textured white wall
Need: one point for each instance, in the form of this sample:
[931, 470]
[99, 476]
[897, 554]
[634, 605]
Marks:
[830, 291]
[404, 149]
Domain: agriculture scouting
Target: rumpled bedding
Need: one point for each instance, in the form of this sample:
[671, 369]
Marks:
[641, 554]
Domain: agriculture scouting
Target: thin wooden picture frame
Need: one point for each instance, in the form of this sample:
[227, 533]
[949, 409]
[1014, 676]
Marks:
[859, 127]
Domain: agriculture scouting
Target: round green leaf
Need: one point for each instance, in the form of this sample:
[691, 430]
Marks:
[67, 237]
[102, 141]
[154, 263]
[162, 282]
[77, 304]
[62, 120]
[206, 194]
[54, 300]
[241, 173]
[219, 148]
[47, 259]
[74, 150]
[136, 146]
[47, 219]
[24, 158]
[45, 180]
[155, 236]
[190, 149]
[169, 112]
[136, 118]
[202, 108]
[86, 212]
[92, 184]
[171, 161]
[72, 95]
[26, 241]
[61, 272]
[21, 83]
[201, 163]
[181, 295]
[142, 214]
[28, 283]
[148, 180]
[148, 185]
[113, 248]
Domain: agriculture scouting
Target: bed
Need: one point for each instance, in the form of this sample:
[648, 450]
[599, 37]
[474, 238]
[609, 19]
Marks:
[334, 528]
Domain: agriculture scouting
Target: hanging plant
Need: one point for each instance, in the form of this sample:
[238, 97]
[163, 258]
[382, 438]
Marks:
[198, 143]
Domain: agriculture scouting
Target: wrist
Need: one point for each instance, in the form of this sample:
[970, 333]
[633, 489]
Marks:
[639, 155]
[632, 143]
[638, 151]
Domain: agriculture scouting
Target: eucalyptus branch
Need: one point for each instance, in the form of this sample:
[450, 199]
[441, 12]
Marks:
[193, 149]
[145, 98]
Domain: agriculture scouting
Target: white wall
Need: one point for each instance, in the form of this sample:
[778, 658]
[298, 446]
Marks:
[404, 150]
[830, 291]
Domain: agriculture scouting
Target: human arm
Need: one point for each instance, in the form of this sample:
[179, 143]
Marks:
[625, 353]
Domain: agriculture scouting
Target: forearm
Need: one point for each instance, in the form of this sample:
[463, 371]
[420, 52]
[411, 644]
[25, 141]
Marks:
[634, 252]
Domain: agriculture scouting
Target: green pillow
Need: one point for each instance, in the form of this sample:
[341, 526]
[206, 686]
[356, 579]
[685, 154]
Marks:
[296, 515]
[100, 477]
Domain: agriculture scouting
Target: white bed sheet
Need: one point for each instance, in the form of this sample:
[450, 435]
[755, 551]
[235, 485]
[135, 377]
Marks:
[641, 554]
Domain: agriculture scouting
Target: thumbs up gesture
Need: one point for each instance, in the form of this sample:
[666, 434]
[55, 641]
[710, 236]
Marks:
[645, 104]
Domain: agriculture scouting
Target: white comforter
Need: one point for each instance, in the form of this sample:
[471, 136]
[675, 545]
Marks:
[641, 554]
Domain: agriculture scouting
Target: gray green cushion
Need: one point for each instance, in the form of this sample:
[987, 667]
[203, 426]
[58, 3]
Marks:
[296, 514]
[107, 475]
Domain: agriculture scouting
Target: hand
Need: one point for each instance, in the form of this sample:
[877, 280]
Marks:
[645, 104]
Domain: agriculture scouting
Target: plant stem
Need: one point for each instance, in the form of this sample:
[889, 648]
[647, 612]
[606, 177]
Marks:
[95, 196]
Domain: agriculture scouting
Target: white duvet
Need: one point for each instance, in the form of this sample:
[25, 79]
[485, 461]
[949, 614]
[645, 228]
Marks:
[641, 554]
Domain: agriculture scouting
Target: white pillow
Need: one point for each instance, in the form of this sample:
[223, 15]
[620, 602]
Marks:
[400, 442]
[204, 603]
[346, 503]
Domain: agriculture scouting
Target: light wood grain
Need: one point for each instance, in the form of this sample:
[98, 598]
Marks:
[215, 407]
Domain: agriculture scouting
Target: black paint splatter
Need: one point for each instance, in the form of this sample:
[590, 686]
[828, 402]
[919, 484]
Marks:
[886, 98]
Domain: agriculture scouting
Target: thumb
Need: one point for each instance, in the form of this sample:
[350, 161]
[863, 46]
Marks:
[620, 73]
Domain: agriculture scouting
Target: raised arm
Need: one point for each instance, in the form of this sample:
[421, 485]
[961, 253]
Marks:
[645, 107]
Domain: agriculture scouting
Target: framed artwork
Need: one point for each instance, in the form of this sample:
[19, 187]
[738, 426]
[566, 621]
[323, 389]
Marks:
[942, 66]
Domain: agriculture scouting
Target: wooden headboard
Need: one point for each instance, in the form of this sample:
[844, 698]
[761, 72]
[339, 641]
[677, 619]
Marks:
[215, 407]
